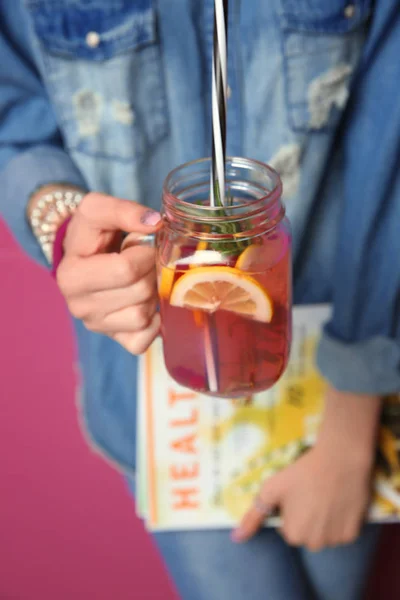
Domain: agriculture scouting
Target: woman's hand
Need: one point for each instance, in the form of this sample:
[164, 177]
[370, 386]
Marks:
[113, 292]
[323, 497]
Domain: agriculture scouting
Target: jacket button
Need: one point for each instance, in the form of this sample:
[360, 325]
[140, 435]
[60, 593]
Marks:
[349, 11]
[92, 39]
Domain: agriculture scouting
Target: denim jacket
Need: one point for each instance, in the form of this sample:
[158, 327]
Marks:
[112, 94]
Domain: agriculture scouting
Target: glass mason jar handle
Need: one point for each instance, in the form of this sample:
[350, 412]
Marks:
[138, 239]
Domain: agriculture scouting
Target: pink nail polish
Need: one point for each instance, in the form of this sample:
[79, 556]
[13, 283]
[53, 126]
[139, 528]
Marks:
[150, 218]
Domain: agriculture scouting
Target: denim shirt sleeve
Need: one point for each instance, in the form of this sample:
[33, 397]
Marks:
[360, 348]
[31, 153]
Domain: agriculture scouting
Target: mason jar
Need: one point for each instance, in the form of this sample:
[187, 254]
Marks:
[224, 279]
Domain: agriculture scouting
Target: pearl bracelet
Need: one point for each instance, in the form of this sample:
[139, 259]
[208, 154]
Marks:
[52, 209]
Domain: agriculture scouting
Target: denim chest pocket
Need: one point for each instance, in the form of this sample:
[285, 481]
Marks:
[102, 65]
[321, 45]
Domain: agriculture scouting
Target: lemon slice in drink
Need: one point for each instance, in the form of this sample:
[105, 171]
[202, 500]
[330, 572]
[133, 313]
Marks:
[247, 258]
[222, 288]
[167, 275]
[166, 281]
[200, 256]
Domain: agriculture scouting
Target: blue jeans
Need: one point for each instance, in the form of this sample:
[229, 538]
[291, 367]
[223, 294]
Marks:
[206, 565]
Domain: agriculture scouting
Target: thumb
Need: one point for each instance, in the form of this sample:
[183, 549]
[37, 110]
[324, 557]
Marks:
[264, 505]
[107, 213]
[99, 213]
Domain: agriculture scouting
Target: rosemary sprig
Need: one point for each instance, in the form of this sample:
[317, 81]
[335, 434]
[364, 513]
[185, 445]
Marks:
[226, 247]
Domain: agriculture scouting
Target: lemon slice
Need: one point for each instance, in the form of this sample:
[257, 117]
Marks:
[167, 275]
[166, 281]
[222, 288]
[202, 245]
[247, 258]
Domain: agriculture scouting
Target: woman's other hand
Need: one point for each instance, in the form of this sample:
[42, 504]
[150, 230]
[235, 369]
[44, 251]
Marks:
[323, 497]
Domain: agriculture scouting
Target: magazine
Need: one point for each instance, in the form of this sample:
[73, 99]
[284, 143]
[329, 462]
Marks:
[202, 460]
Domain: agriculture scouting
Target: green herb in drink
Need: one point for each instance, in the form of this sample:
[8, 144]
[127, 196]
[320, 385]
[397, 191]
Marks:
[232, 247]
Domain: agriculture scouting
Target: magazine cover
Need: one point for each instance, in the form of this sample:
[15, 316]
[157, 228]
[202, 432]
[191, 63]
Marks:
[201, 460]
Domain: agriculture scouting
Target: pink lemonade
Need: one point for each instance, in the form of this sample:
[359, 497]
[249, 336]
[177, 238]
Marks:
[249, 355]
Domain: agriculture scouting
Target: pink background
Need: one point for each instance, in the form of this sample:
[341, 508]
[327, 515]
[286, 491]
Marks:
[67, 524]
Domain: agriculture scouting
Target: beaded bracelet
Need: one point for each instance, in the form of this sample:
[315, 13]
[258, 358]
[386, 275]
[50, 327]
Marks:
[52, 209]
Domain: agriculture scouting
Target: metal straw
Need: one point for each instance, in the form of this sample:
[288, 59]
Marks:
[219, 103]
[217, 183]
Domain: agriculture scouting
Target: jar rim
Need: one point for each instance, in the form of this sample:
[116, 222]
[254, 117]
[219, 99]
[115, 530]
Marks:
[267, 199]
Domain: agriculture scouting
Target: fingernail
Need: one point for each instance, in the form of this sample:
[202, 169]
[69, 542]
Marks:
[237, 536]
[150, 218]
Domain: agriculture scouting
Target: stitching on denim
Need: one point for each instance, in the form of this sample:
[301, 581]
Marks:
[137, 31]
